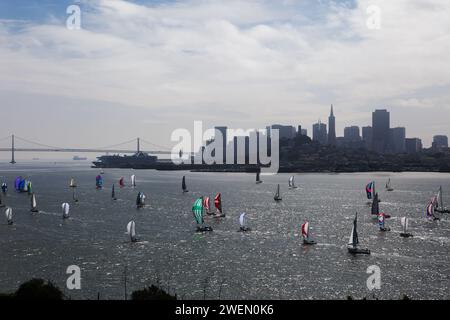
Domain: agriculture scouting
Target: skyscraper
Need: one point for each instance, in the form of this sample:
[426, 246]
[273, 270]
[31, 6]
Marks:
[351, 134]
[440, 141]
[397, 140]
[331, 128]
[413, 145]
[367, 134]
[380, 129]
[320, 133]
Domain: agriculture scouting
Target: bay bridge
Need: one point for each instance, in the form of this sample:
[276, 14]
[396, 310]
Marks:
[40, 147]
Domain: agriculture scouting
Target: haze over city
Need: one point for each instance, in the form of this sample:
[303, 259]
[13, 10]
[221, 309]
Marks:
[144, 68]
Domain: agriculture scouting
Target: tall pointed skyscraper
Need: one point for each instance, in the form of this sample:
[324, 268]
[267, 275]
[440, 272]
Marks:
[331, 128]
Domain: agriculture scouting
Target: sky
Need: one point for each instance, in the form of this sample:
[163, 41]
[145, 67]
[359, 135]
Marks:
[146, 68]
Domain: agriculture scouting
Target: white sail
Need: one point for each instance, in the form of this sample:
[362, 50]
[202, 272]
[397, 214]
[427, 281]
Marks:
[131, 229]
[404, 222]
[350, 241]
[133, 180]
[33, 202]
[242, 219]
[65, 209]
[8, 214]
[73, 184]
[291, 181]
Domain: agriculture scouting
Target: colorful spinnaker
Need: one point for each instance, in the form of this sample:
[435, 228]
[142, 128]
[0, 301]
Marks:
[99, 182]
[218, 205]
[122, 182]
[206, 204]
[370, 189]
[430, 210]
[305, 230]
[197, 210]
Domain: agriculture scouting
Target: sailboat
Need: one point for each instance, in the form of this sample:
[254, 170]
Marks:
[131, 231]
[34, 208]
[73, 183]
[370, 190]
[197, 210]
[440, 202]
[24, 186]
[430, 212]
[207, 206]
[65, 210]
[388, 185]
[74, 195]
[277, 196]
[140, 200]
[133, 181]
[305, 234]
[381, 219]
[4, 187]
[183, 185]
[2, 205]
[113, 193]
[352, 245]
[404, 222]
[258, 179]
[121, 182]
[29, 188]
[291, 183]
[375, 210]
[99, 182]
[8, 214]
[17, 183]
[243, 227]
[218, 203]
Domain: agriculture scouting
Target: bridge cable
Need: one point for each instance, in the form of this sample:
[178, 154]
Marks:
[37, 143]
[155, 145]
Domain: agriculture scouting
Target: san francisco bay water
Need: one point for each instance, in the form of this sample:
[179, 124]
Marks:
[269, 262]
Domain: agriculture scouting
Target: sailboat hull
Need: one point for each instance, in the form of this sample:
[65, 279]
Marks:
[308, 242]
[406, 235]
[442, 211]
[358, 251]
[204, 229]
[244, 229]
[34, 210]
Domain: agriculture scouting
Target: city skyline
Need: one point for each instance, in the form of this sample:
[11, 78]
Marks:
[145, 68]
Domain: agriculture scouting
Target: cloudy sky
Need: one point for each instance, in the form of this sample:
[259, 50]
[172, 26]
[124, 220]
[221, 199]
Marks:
[144, 68]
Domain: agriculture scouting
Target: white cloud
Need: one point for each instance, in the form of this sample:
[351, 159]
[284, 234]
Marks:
[242, 63]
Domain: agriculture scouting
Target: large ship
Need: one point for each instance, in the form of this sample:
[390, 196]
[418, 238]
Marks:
[139, 160]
